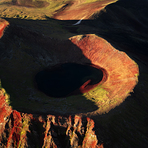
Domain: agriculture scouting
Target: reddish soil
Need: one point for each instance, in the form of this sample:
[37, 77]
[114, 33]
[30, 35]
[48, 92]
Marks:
[77, 11]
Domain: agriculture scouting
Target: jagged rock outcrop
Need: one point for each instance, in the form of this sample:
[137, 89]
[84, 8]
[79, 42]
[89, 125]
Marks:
[21, 130]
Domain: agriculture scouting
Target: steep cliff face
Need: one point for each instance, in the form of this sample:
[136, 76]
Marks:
[21, 130]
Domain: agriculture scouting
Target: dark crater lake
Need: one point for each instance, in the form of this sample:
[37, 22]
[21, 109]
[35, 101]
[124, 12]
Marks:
[62, 80]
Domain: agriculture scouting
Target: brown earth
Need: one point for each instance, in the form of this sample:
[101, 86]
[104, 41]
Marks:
[85, 87]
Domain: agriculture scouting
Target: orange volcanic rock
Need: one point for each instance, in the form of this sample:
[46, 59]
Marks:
[3, 25]
[122, 71]
[76, 10]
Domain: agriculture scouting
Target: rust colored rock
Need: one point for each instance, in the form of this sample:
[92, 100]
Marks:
[85, 87]
[3, 25]
[5, 109]
[122, 71]
[56, 131]
[77, 10]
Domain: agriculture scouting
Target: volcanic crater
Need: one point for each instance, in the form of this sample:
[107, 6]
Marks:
[67, 79]
[92, 72]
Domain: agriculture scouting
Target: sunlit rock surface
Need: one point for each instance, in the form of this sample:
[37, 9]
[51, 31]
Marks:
[76, 10]
[3, 25]
[122, 71]
[35, 53]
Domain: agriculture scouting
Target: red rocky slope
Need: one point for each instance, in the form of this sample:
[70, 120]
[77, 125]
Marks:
[3, 25]
[122, 72]
[76, 10]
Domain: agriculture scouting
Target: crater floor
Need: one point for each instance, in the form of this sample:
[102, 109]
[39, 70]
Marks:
[67, 78]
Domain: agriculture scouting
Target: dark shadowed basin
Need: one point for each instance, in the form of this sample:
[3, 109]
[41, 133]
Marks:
[63, 79]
